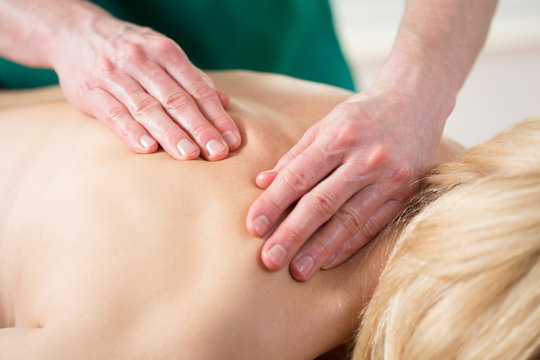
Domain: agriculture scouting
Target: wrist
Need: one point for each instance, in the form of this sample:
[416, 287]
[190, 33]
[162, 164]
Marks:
[420, 82]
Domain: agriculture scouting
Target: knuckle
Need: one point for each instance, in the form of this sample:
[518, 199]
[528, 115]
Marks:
[201, 131]
[114, 113]
[377, 157]
[131, 53]
[105, 65]
[91, 85]
[401, 174]
[370, 228]
[177, 100]
[349, 247]
[347, 136]
[271, 206]
[165, 45]
[222, 122]
[203, 92]
[113, 116]
[296, 180]
[349, 220]
[290, 235]
[146, 106]
[320, 249]
[320, 203]
[170, 133]
[148, 32]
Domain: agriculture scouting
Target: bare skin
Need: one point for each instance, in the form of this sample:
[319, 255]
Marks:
[351, 171]
[137, 81]
[106, 254]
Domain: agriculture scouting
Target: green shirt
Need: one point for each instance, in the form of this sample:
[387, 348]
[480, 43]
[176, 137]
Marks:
[292, 37]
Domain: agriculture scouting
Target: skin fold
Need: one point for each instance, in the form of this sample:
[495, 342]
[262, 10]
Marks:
[109, 254]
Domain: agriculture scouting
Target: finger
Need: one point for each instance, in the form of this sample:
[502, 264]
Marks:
[265, 178]
[372, 227]
[224, 98]
[209, 103]
[207, 79]
[307, 139]
[146, 110]
[312, 211]
[291, 183]
[181, 107]
[355, 214]
[205, 96]
[109, 110]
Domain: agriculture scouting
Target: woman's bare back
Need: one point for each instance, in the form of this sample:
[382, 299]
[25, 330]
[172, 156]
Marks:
[107, 254]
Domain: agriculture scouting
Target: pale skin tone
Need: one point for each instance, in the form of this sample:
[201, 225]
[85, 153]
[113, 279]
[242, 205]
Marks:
[105, 254]
[350, 171]
[137, 81]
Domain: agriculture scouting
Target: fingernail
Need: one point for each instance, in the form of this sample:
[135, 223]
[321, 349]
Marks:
[269, 172]
[260, 224]
[277, 254]
[304, 265]
[186, 147]
[214, 147]
[263, 174]
[265, 178]
[230, 138]
[329, 261]
[147, 141]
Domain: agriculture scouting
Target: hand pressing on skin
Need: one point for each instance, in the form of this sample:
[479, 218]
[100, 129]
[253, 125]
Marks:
[350, 173]
[137, 81]
[143, 86]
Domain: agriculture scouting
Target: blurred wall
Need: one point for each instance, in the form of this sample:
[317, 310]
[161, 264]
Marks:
[503, 86]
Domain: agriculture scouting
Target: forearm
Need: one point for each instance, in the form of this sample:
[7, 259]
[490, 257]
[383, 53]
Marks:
[436, 46]
[34, 30]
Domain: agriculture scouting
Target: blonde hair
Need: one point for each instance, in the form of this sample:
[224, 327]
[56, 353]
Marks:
[463, 281]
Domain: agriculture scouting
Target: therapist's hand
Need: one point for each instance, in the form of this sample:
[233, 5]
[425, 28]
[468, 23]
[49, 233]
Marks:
[144, 88]
[350, 173]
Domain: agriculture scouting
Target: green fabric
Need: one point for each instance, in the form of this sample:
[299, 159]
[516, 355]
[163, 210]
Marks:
[292, 37]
